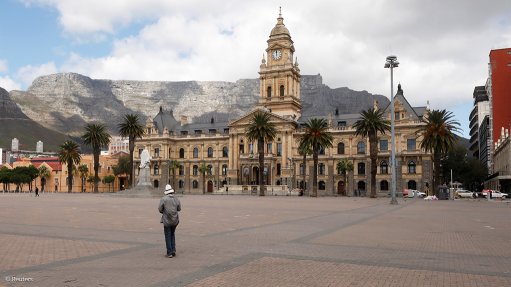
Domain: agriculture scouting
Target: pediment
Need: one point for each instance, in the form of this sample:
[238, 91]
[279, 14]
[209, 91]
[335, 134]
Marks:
[274, 118]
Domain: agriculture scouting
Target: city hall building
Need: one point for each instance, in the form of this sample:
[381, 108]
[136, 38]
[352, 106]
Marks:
[232, 160]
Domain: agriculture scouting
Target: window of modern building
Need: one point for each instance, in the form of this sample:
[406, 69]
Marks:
[340, 148]
[268, 92]
[412, 167]
[361, 147]
[195, 152]
[384, 167]
[384, 185]
[411, 144]
[181, 153]
[225, 151]
[195, 184]
[412, 184]
[195, 170]
[321, 169]
[281, 90]
[361, 168]
[321, 185]
[384, 145]
[210, 152]
[279, 149]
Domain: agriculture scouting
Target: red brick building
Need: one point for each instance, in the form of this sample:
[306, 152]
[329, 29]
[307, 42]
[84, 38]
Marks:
[499, 90]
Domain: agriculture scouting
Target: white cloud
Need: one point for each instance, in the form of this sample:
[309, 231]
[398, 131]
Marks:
[9, 84]
[3, 66]
[28, 73]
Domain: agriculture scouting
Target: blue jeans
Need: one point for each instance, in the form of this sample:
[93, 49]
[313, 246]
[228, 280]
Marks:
[170, 239]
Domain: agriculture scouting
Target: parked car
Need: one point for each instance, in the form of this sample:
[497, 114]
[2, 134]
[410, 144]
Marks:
[495, 194]
[413, 193]
[463, 193]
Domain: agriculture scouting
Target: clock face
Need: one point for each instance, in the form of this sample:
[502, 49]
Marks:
[276, 54]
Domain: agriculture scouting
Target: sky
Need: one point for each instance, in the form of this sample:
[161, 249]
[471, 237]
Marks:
[442, 46]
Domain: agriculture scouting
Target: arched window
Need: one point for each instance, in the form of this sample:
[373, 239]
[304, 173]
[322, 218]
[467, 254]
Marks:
[181, 184]
[195, 184]
[321, 185]
[181, 153]
[225, 151]
[210, 152]
[156, 169]
[412, 184]
[411, 167]
[195, 152]
[224, 169]
[181, 170]
[210, 170]
[340, 148]
[384, 167]
[321, 169]
[361, 168]
[384, 185]
[195, 170]
[361, 185]
[268, 92]
[321, 150]
[281, 90]
[361, 147]
[302, 172]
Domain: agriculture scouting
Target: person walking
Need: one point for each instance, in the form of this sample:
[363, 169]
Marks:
[169, 207]
[36, 191]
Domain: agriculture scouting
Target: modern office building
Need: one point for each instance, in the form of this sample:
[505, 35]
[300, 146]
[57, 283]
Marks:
[479, 112]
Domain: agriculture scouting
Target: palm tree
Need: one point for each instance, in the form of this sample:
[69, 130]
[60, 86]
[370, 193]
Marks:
[438, 138]
[44, 173]
[69, 154]
[203, 168]
[96, 137]
[132, 129]
[304, 150]
[261, 129]
[344, 167]
[316, 136]
[83, 170]
[372, 121]
[173, 165]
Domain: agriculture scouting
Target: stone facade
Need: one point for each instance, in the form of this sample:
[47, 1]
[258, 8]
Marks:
[221, 144]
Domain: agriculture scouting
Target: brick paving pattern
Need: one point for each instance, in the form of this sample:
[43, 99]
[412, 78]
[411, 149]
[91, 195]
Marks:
[108, 240]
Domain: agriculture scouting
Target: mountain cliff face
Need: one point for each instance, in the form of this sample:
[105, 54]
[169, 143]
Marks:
[66, 102]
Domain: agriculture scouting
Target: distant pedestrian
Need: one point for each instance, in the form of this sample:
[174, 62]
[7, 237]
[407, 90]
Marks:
[36, 191]
[169, 207]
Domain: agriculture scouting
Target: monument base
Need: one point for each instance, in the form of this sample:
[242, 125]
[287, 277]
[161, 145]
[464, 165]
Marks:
[144, 187]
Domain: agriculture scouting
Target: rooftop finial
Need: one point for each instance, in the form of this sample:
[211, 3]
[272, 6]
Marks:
[280, 11]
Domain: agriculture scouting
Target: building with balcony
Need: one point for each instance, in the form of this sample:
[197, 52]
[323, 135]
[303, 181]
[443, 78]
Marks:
[479, 112]
[220, 143]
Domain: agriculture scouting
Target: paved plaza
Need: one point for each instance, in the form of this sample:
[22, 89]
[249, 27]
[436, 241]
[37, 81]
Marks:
[109, 240]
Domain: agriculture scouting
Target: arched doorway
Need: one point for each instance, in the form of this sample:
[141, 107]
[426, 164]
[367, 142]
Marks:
[361, 186]
[412, 184]
[210, 186]
[255, 172]
[156, 183]
[341, 189]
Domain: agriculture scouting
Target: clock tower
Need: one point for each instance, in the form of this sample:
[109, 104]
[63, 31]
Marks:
[279, 74]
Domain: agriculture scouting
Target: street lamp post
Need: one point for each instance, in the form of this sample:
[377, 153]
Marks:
[392, 63]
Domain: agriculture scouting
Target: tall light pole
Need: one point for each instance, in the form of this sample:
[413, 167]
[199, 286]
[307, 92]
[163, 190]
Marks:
[392, 63]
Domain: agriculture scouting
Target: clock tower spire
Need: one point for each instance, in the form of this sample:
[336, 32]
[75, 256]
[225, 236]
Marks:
[279, 75]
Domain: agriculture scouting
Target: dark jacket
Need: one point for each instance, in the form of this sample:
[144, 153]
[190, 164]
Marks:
[169, 208]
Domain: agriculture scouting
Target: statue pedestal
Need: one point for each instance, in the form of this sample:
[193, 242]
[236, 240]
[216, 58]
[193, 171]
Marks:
[143, 177]
[144, 187]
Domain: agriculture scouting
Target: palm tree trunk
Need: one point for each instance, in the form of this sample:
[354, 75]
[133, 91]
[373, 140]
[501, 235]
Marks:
[315, 173]
[373, 154]
[260, 148]
[304, 169]
[132, 171]
[96, 170]
[69, 175]
[203, 182]
[436, 170]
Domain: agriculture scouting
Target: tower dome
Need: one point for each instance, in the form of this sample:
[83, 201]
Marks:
[279, 29]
